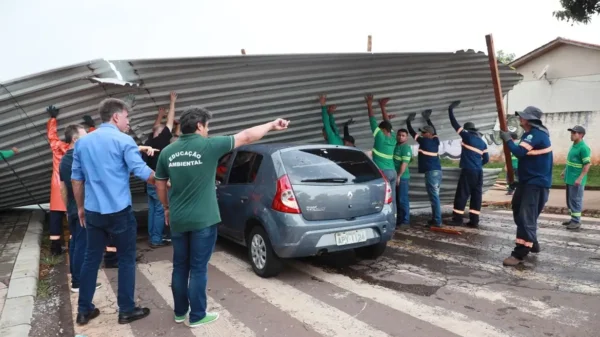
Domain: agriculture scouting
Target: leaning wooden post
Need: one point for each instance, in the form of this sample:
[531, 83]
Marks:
[243, 51]
[510, 176]
[369, 44]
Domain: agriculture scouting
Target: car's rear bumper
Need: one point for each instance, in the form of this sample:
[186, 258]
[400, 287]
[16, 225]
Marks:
[296, 237]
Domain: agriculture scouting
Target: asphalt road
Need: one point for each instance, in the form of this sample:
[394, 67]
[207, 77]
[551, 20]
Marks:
[427, 284]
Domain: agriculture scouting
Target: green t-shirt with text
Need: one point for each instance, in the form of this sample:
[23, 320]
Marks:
[403, 154]
[579, 156]
[383, 147]
[191, 165]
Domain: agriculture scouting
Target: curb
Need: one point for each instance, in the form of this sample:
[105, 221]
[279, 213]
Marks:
[15, 320]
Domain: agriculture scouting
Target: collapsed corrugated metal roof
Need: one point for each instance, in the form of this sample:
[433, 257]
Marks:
[242, 91]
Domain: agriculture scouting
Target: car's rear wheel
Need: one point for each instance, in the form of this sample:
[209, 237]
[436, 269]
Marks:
[371, 252]
[262, 257]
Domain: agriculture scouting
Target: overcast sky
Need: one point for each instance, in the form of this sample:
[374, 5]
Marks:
[39, 34]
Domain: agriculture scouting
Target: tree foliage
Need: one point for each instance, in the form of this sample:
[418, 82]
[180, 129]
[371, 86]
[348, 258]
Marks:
[504, 57]
[577, 11]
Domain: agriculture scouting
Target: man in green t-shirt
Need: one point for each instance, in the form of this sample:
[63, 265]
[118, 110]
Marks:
[331, 134]
[191, 209]
[384, 143]
[575, 175]
[402, 157]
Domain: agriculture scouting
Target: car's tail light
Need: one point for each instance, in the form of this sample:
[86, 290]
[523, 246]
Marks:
[388, 189]
[285, 200]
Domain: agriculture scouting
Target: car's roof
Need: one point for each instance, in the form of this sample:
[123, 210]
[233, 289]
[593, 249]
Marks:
[274, 147]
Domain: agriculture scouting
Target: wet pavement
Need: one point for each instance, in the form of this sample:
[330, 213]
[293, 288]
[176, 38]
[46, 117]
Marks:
[426, 284]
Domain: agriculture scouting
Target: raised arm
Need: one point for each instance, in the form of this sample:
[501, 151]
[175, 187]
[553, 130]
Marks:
[51, 130]
[347, 129]
[412, 132]
[332, 123]
[159, 117]
[9, 153]
[372, 119]
[256, 133]
[453, 120]
[382, 104]
[426, 114]
[171, 114]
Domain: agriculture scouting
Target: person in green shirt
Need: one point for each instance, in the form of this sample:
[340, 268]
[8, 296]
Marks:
[515, 165]
[190, 205]
[575, 175]
[5, 154]
[384, 143]
[402, 157]
[331, 134]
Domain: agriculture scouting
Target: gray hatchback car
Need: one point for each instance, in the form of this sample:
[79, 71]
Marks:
[287, 201]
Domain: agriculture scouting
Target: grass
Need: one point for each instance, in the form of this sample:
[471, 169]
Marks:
[47, 263]
[51, 260]
[593, 175]
[43, 289]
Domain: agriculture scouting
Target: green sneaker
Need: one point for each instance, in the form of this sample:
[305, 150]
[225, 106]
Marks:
[209, 318]
[180, 319]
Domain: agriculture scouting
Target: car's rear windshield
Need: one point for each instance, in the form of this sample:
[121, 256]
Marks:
[329, 165]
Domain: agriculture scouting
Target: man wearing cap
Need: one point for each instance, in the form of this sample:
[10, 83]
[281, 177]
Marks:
[473, 156]
[575, 175]
[429, 163]
[535, 179]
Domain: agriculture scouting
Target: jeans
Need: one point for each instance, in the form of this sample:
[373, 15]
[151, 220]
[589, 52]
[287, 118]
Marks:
[391, 176]
[191, 253]
[527, 204]
[122, 228]
[156, 216]
[402, 202]
[77, 246]
[433, 180]
[575, 201]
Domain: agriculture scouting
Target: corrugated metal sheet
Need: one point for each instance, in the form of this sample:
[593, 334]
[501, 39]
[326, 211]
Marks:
[242, 91]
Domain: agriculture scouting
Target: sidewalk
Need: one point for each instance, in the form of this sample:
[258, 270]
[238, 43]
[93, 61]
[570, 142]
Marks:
[556, 201]
[20, 233]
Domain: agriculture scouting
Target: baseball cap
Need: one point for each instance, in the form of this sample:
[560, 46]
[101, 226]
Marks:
[578, 129]
[470, 126]
[427, 129]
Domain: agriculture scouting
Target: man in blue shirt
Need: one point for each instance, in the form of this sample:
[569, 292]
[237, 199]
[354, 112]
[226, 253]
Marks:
[429, 163]
[473, 156]
[103, 161]
[535, 179]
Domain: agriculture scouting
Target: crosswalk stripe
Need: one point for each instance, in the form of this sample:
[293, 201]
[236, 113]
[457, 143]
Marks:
[548, 229]
[324, 319]
[448, 320]
[104, 325]
[561, 284]
[547, 217]
[159, 274]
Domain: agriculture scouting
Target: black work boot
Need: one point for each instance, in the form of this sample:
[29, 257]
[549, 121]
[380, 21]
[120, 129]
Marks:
[536, 248]
[137, 313]
[455, 222]
[83, 319]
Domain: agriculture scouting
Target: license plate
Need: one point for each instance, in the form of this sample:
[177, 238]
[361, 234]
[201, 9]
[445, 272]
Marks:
[350, 237]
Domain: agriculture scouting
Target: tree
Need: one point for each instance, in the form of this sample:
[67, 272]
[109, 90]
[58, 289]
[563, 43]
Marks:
[577, 11]
[504, 58]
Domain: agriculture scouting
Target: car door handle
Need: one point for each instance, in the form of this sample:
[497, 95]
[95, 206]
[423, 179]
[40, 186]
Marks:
[243, 199]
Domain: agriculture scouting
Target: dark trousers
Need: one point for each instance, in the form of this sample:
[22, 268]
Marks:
[470, 184]
[77, 246]
[122, 228]
[56, 231]
[110, 256]
[191, 253]
[527, 204]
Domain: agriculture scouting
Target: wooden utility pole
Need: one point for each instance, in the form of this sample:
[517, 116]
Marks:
[243, 51]
[510, 175]
[369, 44]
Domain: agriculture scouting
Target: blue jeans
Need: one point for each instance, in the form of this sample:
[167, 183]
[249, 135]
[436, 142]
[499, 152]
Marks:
[575, 201]
[156, 216]
[402, 202]
[433, 180]
[191, 253]
[77, 246]
[122, 228]
[391, 176]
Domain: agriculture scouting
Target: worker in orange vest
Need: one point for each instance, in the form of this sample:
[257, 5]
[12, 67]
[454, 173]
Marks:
[57, 206]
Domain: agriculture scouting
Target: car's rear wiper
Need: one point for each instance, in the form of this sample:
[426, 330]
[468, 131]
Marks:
[325, 180]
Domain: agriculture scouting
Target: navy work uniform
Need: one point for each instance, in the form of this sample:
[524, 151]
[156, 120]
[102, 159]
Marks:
[473, 156]
[535, 179]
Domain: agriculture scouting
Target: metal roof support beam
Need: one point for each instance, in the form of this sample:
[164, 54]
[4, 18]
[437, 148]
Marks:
[510, 175]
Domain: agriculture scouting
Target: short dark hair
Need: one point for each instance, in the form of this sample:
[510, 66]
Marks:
[191, 117]
[72, 132]
[386, 125]
[403, 131]
[111, 106]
